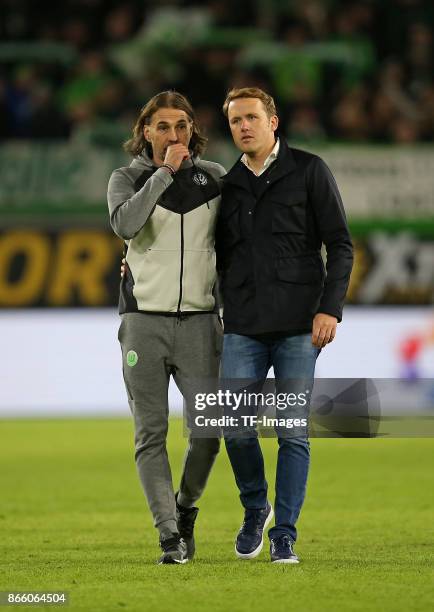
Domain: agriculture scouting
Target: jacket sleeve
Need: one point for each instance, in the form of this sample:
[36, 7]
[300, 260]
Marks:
[222, 236]
[334, 233]
[219, 172]
[129, 210]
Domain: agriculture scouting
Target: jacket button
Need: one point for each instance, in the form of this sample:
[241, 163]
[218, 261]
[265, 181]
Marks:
[268, 182]
[250, 212]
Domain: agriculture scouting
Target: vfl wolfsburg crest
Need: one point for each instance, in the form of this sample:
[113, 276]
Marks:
[132, 358]
[200, 179]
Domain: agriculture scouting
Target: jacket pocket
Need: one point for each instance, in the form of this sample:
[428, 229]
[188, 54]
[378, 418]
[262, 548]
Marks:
[289, 212]
[299, 270]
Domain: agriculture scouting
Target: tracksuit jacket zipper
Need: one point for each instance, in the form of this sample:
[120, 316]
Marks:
[179, 313]
[181, 273]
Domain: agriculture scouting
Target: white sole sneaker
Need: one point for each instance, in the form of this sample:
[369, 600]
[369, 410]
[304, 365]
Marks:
[257, 550]
[293, 561]
[172, 561]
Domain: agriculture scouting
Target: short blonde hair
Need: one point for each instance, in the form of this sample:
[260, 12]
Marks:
[250, 92]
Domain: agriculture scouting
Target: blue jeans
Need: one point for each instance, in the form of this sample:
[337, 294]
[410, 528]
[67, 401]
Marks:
[292, 357]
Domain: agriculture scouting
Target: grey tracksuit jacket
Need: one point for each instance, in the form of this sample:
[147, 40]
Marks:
[168, 224]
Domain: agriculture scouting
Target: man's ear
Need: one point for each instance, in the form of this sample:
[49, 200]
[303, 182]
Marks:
[146, 133]
[274, 122]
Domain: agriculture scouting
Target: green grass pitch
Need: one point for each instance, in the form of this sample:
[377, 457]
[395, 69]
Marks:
[72, 517]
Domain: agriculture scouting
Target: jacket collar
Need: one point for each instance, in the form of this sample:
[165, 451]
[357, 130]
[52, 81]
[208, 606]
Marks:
[284, 164]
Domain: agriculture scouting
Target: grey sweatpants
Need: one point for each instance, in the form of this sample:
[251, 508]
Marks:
[153, 348]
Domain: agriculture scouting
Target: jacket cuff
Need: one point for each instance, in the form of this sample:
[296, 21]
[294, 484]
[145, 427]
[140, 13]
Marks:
[325, 308]
[164, 176]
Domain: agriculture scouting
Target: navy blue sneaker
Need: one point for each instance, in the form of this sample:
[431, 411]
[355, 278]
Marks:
[281, 550]
[250, 538]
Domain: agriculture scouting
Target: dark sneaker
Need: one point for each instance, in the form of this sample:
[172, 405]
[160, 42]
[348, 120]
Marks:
[281, 550]
[174, 550]
[250, 538]
[185, 519]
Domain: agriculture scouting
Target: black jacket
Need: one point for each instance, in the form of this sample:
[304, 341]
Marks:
[272, 276]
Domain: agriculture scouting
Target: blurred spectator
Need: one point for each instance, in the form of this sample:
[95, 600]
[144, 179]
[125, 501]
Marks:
[18, 97]
[383, 113]
[393, 83]
[358, 70]
[83, 94]
[305, 125]
[404, 131]
[4, 112]
[119, 24]
[350, 117]
[46, 121]
[314, 14]
[77, 33]
[427, 105]
[419, 57]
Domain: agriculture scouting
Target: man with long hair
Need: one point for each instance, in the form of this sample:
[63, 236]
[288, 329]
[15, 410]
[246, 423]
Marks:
[164, 206]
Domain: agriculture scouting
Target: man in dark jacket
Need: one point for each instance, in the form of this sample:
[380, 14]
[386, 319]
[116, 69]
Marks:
[281, 307]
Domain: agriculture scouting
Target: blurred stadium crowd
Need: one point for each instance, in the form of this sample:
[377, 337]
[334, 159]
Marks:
[357, 70]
